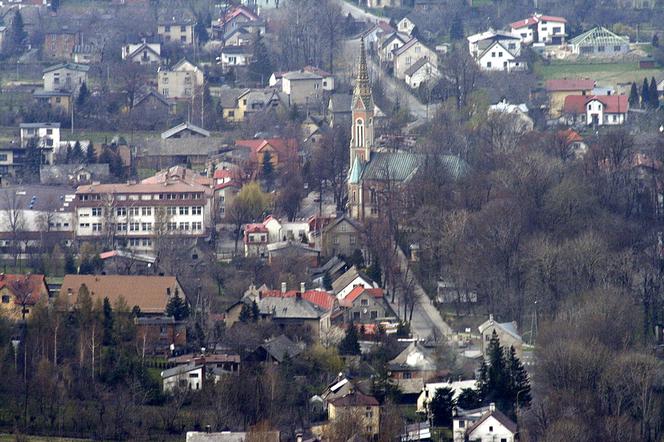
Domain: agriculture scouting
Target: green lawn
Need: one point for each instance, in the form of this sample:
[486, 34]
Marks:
[612, 73]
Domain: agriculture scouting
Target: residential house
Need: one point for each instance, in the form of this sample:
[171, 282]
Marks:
[227, 184]
[284, 230]
[86, 54]
[599, 42]
[255, 240]
[374, 34]
[229, 101]
[320, 298]
[149, 293]
[185, 130]
[183, 377]
[540, 28]
[145, 54]
[463, 419]
[518, 114]
[558, 90]
[20, 293]
[413, 367]
[56, 100]
[339, 109]
[73, 174]
[65, 77]
[156, 111]
[388, 44]
[280, 151]
[234, 436]
[328, 79]
[234, 56]
[302, 87]
[236, 19]
[160, 335]
[356, 403]
[574, 142]
[365, 306]
[251, 101]
[422, 71]
[351, 279]
[275, 350]
[185, 143]
[496, 51]
[47, 214]
[177, 202]
[507, 334]
[216, 364]
[46, 136]
[418, 431]
[595, 110]
[180, 82]
[341, 237]
[492, 426]
[239, 37]
[296, 311]
[126, 262]
[406, 25]
[177, 29]
[381, 4]
[293, 250]
[59, 44]
[430, 389]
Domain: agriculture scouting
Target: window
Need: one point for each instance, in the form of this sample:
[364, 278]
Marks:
[231, 114]
[147, 242]
[511, 46]
[364, 302]
[171, 210]
[356, 315]
[490, 429]
[3, 157]
[134, 242]
[49, 131]
[493, 55]
[600, 48]
[146, 227]
[167, 29]
[351, 239]
[374, 314]
[122, 227]
[5, 299]
[407, 375]
[500, 54]
[184, 210]
[164, 92]
[121, 211]
[146, 211]
[359, 132]
[184, 226]
[97, 211]
[462, 424]
[556, 30]
[488, 64]
[133, 227]
[171, 226]
[503, 439]
[197, 226]
[196, 210]
[183, 29]
[84, 225]
[133, 211]
[96, 227]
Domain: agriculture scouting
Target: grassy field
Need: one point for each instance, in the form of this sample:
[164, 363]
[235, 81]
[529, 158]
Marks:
[603, 73]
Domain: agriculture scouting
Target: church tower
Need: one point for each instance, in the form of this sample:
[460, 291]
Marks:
[362, 128]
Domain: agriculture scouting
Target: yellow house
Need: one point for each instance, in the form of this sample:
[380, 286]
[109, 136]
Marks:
[356, 408]
[557, 90]
[177, 30]
[20, 293]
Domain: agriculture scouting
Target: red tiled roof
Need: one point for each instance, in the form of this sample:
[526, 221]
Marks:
[357, 291]
[534, 19]
[613, 104]
[227, 184]
[570, 136]
[36, 283]
[318, 297]
[284, 147]
[317, 71]
[569, 84]
[255, 228]
[238, 10]
[221, 174]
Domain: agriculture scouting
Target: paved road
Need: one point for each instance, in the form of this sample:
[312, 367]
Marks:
[358, 13]
[426, 317]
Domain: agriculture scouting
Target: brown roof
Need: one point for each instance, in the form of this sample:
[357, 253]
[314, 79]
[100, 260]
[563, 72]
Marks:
[177, 186]
[36, 284]
[150, 293]
[355, 399]
[613, 104]
[572, 84]
[499, 416]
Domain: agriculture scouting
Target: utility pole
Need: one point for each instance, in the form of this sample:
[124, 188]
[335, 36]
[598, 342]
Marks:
[71, 97]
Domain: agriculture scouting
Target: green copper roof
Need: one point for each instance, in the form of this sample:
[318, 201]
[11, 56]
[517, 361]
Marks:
[355, 172]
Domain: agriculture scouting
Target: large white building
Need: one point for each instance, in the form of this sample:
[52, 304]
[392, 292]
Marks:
[496, 51]
[46, 135]
[176, 202]
[540, 28]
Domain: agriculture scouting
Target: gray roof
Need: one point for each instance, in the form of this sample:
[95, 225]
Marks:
[416, 357]
[301, 75]
[65, 173]
[70, 66]
[179, 146]
[341, 102]
[179, 370]
[289, 308]
[184, 126]
[42, 93]
[41, 198]
[417, 65]
[38, 125]
[281, 347]
[153, 93]
[236, 50]
[228, 96]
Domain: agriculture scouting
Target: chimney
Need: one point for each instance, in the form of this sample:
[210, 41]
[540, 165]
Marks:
[491, 318]
[298, 437]
[492, 407]
[302, 287]
[283, 287]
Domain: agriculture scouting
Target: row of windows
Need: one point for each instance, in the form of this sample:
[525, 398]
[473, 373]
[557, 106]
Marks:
[137, 242]
[145, 197]
[147, 211]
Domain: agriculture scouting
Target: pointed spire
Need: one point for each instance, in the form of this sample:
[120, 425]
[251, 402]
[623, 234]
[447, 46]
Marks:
[362, 85]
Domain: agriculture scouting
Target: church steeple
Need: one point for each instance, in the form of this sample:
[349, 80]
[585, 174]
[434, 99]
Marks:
[362, 130]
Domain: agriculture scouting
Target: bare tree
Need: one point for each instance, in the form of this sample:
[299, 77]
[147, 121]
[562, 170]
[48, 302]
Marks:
[14, 220]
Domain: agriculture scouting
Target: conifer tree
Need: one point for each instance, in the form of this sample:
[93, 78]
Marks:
[90, 155]
[83, 94]
[519, 382]
[653, 94]
[645, 94]
[634, 96]
[17, 34]
[76, 155]
[441, 407]
[177, 307]
[107, 338]
[350, 344]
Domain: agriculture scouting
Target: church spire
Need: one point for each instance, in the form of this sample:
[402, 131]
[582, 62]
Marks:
[362, 85]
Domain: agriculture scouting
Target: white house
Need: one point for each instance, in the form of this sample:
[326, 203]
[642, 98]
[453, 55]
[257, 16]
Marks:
[406, 25]
[232, 56]
[286, 230]
[519, 113]
[65, 77]
[597, 110]
[496, 51]
[422, 71]
[345, 283]
[492, 426]
[429, 391]
[185, 377]
[142, 53]
[390, 43]
[540, 28]
[47, 136]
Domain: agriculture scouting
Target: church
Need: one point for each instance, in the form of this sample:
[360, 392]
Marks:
[374, 169]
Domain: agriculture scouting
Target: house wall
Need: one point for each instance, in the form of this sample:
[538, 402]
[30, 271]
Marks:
[357, 281]
[593, 50]
[366, 310]
[10, 309]
[378, 4]
[341, 239]
[491, 431]
[59, 46]
[64, 79]
[303, 91]
[547, 31]
[179, 84]
[496, 59]
[410, 56]
[370, 416]
[557, 101]
[183, 34]
[424, 74]
[506, 340]
[192, 380]
[229, 60]
[406, 26]
[146, 58]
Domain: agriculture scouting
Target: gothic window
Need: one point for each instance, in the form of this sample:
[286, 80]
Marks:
[359, 132]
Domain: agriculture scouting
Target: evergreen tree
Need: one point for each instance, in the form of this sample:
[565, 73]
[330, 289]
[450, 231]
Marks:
[83, 95]
[76, 156]
[356, 259]
[177, 307]
[255, 311]
[17, 34]
[245, 314]
[32, 161]
[70, 263]
[634, 96]
[375, 272]
[327, 282]
[350, 344]
[469, 399]
[645, 94]
[655, 41]
[456, 29]
[441, 407]
[107, 338]
[55, 5]
[519, 382]
[268, 171]
[200, 30]
[653, 94]
[90, 156]
[260, 67]
[498, 387]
